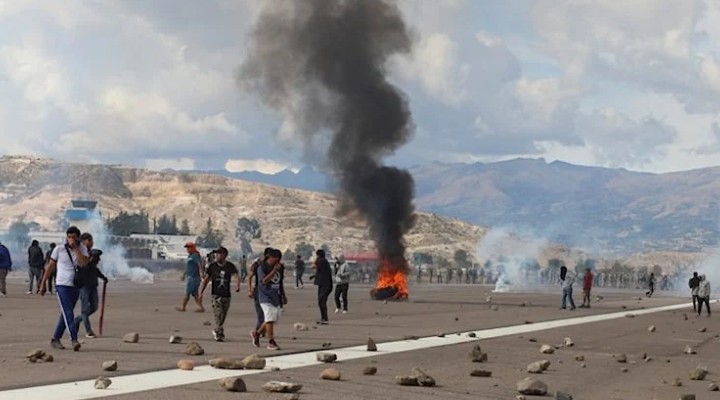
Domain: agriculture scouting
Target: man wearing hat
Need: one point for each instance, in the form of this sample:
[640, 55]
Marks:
[220, 272]
[193, 272]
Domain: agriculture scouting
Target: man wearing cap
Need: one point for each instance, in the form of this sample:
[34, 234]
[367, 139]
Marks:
[221, 273]
[193, 272]
[269, 275]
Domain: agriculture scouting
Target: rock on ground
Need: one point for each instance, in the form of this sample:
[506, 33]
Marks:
[563, 396]
[531, 386]
[281, 387]
[423, 378]
[580, 358]
[186, 365]
[687, 397]
[713, 387]
[299, 326]
[194, 349]
[330, 374]
[689, 350]
[568, 342]
[371, 346]
[677, 382]
[621, 358]
[102, 383]
[253, 361]
[698, 373]
[132, 337]
[481, 373]
[407, 380]
[233, 384]
[224, 363]
[651, 328]
[538, 367]
[702, 330]
[292, 396]
[370, 371]
[111, 365]
[547, 349]
[175, 340]
[326, 357]
[38, 354]
[476, 354]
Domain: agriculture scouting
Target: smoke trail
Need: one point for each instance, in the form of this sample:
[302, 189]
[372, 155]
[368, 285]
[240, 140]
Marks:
[322, 64]
[113, 262]
[515, 252]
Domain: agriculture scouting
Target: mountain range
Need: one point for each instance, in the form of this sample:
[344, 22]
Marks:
[601, 209]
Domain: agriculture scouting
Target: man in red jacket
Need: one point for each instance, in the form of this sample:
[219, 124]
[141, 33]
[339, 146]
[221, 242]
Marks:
[587, 286]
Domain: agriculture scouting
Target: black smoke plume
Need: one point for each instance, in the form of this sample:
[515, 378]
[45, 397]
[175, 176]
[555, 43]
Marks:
[322, 64]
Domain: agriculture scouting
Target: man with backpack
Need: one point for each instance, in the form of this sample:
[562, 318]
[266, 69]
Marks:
[36, 260]
[88, 279]
[324, 281]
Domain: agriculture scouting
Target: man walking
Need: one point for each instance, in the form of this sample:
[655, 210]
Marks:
[5, 268]
[243, 269]
[567, 279]
[323, 280]
[220, 272]
[88, 277]
[269, 274]
[704, 295]
[299, 271]
[67, 258]
[253, 283]
[651, 285]
[694, 286]
[342, 284]
[35, 264]
[587, 287]
[193, 272]
[54, 274]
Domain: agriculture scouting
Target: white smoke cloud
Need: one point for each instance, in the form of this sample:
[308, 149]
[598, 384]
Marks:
[113, 262]
[512, 252]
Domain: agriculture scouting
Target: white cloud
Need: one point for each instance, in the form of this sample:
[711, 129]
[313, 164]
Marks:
[262, 165]
[178, 164]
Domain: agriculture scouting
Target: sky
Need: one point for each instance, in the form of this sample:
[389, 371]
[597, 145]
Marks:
[624, 84]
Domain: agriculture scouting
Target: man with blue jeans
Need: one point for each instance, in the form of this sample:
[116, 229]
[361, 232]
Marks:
[193, 273]
[89, 288]
[66, 258]
[5, 268]
[567, 279]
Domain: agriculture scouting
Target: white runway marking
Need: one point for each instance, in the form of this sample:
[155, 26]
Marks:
[172, 378]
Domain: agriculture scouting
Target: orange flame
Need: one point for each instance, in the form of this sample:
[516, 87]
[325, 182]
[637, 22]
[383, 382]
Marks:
[391, 273]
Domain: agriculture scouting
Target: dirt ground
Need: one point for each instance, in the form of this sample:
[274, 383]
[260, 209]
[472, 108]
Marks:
[28, 321]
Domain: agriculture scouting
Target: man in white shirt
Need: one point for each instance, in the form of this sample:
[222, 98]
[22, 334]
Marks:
[66, 258]
[567, 279]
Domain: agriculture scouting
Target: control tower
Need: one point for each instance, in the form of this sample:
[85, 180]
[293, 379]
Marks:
[80, 213]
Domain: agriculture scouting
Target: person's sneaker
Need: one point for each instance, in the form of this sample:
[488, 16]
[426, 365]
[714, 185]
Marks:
[337, 310]
[29, 292]
[255, 338]
[76, 345]
[324, 322]
[272, 345]
[572, 308]
[90, 335]
[344, 311]
[55, 344]
[216, 337]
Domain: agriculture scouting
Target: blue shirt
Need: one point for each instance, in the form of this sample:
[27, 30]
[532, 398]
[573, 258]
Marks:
[270, 292]
[192, 266]
[5, 260]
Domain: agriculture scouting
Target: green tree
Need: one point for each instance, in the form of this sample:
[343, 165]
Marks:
[211, 238]
[167, 225]
[305, 250]
[461, 258]
[125, 224]
[185, 227]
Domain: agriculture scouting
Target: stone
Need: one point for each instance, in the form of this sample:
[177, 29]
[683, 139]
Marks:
[407, 380]
[580, 358]
[370, 371]
[583, 366]
[698, 373]
[275, 369]
[371, 346]
[533, 340]
[330, 374]
[48, 357]
[253, 361]
[36, 354]
[531, 386]
[488, 299]
[547, 349]
[599, 298]
[621, 358]
[689, 350]
[132, 337]
[326, 357]
[568, 342]
[175, 340]
[476, 354]
[713, 387]
[186, 365]
[563, 396]
[299, 326]
[538, 367]
[685, 317]
[519, 397]
[281, 387]
[194, 349]
[629, 315]
[423, 378]
[233, 385]
[687, 397]
[651, 328]
[677, 382]
[441, 335]
[292, 396]
[702, 330]
[624, 370]
[495, 308]
[623, 307]
[224, 363]
[207, 323]
[481, 373]
[102, 383]
[411, 337]
[472, 334]
[111, 365]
